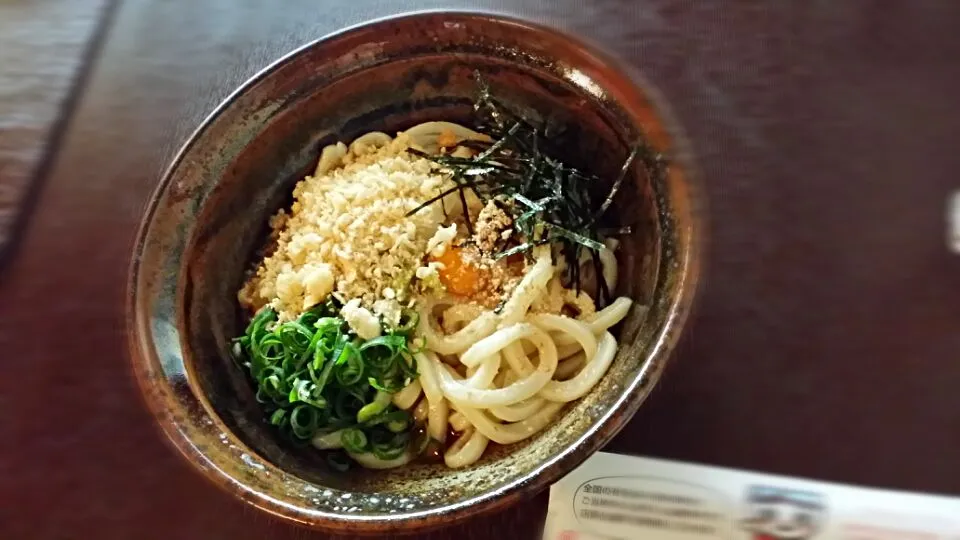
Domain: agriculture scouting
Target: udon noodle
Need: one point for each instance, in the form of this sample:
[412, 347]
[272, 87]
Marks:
[495, 365]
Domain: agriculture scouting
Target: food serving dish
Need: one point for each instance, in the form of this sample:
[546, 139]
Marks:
[208, 217]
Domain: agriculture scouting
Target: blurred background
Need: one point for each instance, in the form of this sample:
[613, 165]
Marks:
[826, 340]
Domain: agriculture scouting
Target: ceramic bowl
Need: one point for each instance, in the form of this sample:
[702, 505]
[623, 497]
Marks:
[209, 214]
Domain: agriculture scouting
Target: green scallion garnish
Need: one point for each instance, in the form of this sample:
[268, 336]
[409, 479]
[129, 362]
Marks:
[314, 377]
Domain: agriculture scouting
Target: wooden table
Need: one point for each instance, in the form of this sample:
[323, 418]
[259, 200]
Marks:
[827, 339]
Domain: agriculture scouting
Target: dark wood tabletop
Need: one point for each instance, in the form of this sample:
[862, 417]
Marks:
[826, 342]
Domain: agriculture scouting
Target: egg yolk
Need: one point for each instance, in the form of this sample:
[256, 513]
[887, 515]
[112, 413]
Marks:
[458, 276]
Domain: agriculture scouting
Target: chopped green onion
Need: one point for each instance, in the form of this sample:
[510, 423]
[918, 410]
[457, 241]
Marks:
[354, 440]
[314, 377]
[378, 405]
[397, 426]
[278, 416]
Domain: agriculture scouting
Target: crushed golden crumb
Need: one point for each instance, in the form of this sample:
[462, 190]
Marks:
[348, 233]
[492, 228]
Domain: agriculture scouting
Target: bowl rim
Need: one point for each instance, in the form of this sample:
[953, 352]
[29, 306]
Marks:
[607, 425]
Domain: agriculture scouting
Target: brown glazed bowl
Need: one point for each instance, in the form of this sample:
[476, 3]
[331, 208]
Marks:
[209, 214]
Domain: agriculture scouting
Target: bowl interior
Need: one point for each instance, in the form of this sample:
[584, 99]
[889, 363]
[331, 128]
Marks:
[210, 218]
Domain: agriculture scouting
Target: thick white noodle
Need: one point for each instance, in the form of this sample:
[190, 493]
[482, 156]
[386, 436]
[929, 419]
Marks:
[602, 320]
[519, 411]
[509, 433]
[484, 373]
[406, 398]
[456, 391]
[609, 316]
[428, 375]
[500, 380]
[523, 409]
[589, 376]
[371, 461]
[608, 264]
[459, 422]
[438, 409]
[438, 414]
[454, 205]
[421, 411]
[532, 285]
[362, 144]
[466, 450]
[330, 158]
[425, 135]
[327, 441]
[458, 316]
[479, 328]
[517, 358]
[499, 340]
[577, 330]
[511, 377]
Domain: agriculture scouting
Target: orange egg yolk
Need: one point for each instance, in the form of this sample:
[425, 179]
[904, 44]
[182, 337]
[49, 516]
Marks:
[459, 276]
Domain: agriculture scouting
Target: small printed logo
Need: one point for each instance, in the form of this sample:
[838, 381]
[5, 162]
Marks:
[568, 535]
[783, 514]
